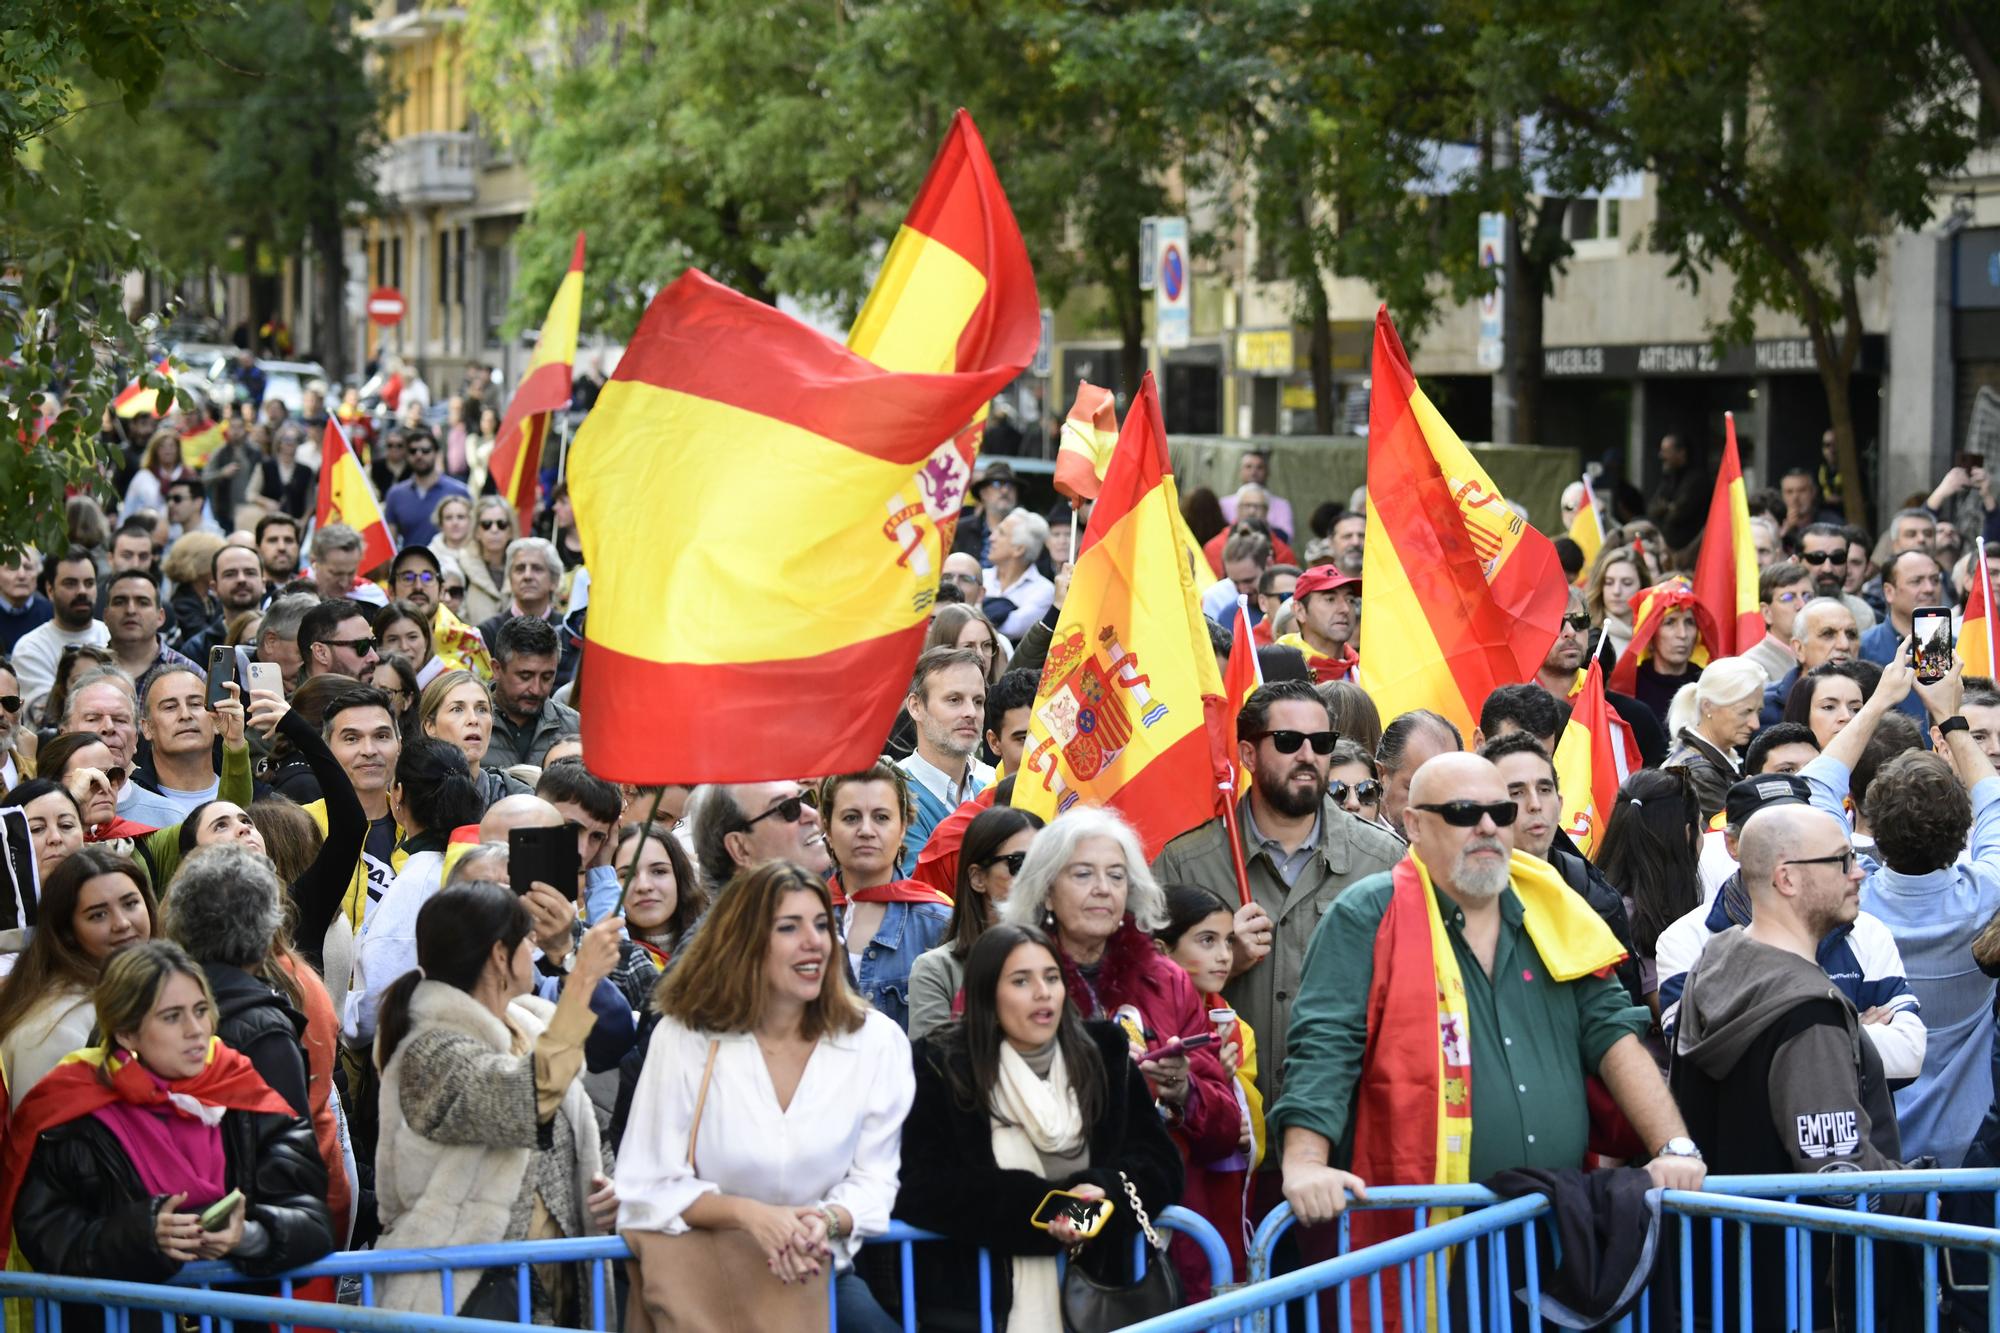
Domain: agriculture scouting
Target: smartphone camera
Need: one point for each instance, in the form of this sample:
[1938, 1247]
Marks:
[1931, 643]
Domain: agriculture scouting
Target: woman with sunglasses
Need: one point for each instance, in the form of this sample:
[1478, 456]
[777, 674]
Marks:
[1652, 852]
[1354, 783]
[996, 843]
[17, 742]
[886, 921]
[484, 561]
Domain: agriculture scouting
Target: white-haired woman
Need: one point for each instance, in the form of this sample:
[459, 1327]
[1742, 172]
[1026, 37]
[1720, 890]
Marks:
[1710, 721]
[1086, 883]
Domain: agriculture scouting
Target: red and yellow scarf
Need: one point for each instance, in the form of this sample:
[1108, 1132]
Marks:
[1649, 610]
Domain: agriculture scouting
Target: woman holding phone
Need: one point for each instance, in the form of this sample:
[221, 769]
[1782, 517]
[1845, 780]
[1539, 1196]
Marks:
[104, 1176]
[1017, 1098]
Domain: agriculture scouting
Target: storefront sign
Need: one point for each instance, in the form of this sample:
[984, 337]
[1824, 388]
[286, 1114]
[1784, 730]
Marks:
[1765, 356]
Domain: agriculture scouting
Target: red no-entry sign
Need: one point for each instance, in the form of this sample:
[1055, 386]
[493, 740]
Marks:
[385, 306]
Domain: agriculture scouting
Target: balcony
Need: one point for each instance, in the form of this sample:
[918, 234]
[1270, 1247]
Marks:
[411, 21]
[426, 170]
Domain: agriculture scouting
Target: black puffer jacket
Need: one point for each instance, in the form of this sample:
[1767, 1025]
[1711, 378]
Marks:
[951, 1185]
[82, 1211]
[256, 1020]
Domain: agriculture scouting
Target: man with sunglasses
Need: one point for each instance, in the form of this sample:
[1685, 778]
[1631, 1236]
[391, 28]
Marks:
[1640, 741]
[1301, 851]
[11, 763]
[742, 824]
[1516, 1044]
[334, 638]
[410, 502]
[1823, 550]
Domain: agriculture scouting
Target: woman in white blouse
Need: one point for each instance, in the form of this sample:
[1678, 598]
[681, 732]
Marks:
[774, 1100]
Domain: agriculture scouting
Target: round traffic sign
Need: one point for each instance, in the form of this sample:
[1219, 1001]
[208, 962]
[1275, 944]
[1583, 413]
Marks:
[1173, 271]
[385, 306]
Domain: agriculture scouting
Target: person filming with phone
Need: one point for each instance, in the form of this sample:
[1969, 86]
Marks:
[1027, 1123]
[1913, 588]
[103, 1177]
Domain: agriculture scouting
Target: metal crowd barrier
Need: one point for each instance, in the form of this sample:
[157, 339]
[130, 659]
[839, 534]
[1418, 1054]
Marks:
[1485, 1234]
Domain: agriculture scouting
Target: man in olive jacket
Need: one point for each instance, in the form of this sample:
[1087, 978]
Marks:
[1300, 849]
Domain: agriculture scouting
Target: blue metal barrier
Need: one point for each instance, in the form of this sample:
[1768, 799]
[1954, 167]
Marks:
[597, 1251]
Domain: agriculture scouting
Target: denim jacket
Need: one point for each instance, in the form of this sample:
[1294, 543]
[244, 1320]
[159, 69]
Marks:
[906, 932]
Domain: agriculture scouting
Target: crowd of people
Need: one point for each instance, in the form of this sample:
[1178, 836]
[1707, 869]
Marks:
[292, 985]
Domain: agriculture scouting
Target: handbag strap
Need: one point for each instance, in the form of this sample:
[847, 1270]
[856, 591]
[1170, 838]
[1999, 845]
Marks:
[1139, 1211]
[701, 1100]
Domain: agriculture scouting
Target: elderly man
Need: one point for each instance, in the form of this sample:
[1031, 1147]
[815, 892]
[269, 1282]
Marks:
[534, 573]
[1823, 631]
[1381, 1069]
[1408, 743]
[1255, 470]
[1016, 593]
[963, 572]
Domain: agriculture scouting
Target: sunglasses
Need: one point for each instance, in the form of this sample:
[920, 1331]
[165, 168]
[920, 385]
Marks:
[1011, 860]
[416, 576]
[454, 590]
[1822, 557]
[1288, 742]
[493, 524]
[10, 702]
[1466, 814]
[1578, 622]
[1366, 791]
[790, 810]
[423, 453]
[366, 645]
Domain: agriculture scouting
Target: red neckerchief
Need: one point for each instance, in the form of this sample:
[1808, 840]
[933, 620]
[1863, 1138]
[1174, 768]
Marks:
[900, 891]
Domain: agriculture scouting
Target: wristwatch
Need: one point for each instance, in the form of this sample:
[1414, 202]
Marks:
[1679, 1146]
[1951, 724]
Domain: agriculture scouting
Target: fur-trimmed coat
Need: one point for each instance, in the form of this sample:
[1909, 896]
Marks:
[455, 1178]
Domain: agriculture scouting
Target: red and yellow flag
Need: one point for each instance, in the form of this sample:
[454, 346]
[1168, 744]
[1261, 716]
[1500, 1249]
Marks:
[1120, 718]
[1089, 434]
[1649, 611]
[727, 418]
[1587, 530]
[1587, 763]
[1725, 575]
[1975, 635]
[135, 399]
[1240, 679]
[516, 466]
[346, 497]
[200, 437]
[1462, 595]
[459, 646]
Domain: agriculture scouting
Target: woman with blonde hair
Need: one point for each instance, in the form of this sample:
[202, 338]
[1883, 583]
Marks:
[1711, 720]
[774, 1099]
[958, 625]
[458, 707]
[1616, 576]
[483, 559]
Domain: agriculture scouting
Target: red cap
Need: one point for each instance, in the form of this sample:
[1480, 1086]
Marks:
[1324, 578]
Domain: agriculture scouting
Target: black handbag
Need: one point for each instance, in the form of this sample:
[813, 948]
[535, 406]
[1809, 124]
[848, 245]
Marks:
[1091, 1306]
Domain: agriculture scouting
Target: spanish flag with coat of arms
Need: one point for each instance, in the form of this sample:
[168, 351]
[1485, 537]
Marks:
[1121, 716]
[765, 512]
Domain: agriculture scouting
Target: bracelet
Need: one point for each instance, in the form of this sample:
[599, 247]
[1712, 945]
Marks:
[833, 1229]
[1951, 724]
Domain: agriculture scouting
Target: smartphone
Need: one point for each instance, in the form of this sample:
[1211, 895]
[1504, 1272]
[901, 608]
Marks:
[1187, 1044]
[1931, 642]
[1969, 460]
[216, 1216]
[221, 671]
[266, 676]
[1088, 1215]
[544, 854]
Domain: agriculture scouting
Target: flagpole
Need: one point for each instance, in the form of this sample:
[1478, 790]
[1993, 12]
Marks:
[1236, 862]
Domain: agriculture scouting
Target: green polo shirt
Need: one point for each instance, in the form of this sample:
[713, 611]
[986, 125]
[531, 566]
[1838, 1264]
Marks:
[1533, 1038]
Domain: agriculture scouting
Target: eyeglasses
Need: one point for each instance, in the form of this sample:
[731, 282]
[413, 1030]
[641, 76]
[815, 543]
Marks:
[962, 580]
[10, 702]
[1011, 860]
[366, 645]
[1578, 622]
[454, 590]
[1843, 859]
[1288, 742]
[493, 524]
[1787, 598]
[1466, 814]
[790, 810]
[423, 453]
[1366, 791]
[416, 576]
[1821, 557]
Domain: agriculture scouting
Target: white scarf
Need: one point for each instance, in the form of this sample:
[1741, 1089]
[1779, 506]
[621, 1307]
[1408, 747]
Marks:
[1045, 1118]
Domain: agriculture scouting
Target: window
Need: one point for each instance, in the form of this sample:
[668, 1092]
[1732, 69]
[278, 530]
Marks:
[1591, 220]
[492, 292]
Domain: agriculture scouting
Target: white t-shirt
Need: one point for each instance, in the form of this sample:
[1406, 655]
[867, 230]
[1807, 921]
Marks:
[38, 652]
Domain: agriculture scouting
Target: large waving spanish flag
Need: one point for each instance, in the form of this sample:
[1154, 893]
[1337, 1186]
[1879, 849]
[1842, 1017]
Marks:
[765, 511]
[516, 465]
[1121, 715]
[1463, 596]
[1089, 435]
[345, 496]
[1587, 763]
[1725, 575]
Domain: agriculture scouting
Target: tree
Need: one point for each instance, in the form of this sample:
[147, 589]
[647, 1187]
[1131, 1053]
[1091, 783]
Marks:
[1786, 139]
[63, 327]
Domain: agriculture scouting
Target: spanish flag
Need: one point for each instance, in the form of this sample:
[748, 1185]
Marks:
[516, 467]
[1587, 763]
[1463, 596]
[1649, 610]
[1725, 575]
[458, 645]
[1121, 716]
[1089, 434]
[727, 418]
[200, 436]
[1240, 679]
[346, 497]
[1587, 529]
[1975, 635]
[135, 399]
